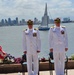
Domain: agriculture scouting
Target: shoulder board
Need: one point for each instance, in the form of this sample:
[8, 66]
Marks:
[35, 28]
[52, 26]
[63, 26]
[25, 30]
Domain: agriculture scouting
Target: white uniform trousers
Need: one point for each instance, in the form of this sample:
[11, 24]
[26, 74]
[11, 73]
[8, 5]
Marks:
[59, 62]
[32, 64]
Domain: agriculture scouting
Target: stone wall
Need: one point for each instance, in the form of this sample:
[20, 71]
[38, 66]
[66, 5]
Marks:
[43, 66]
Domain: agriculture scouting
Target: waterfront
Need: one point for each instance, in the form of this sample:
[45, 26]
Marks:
[11, 40]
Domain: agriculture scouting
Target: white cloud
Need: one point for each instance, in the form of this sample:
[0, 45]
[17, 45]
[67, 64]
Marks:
[65, 4]
[35, 8]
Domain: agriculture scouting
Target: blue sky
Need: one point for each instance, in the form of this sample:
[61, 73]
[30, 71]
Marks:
[29, 9]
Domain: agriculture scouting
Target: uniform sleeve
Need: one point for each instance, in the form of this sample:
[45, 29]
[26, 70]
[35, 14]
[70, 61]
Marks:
[24, 42]
[66, 39]
[50, 38]
[38, 41]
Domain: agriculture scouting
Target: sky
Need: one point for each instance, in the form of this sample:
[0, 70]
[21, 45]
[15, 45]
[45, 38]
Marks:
[29, 9]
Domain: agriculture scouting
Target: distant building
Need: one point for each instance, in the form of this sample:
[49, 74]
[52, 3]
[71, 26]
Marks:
[2, 22]
[16, 20]
[36, 21]
[51, 21]
[45, 17]
[66, 20]
[9, 21]
[6, 22]
[22, 22]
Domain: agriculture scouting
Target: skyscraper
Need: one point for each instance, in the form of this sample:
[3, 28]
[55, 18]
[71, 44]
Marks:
[45, 18]
[16, 20]
[9, 21]
[45, 21]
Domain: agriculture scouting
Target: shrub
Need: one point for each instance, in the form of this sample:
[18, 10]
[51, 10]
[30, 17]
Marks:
[72, 57]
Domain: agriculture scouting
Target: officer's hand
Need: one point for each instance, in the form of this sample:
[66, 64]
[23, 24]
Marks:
[25, 52]
[66, 49]
[38, 51]
[51, 50]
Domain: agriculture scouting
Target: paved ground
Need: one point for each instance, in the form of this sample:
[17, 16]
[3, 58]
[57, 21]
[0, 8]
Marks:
[70, 72]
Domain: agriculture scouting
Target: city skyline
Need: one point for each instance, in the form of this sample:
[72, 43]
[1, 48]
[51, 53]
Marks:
[28, 9]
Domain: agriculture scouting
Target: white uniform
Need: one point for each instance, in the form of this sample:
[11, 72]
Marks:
[58, 41]
[32, 43]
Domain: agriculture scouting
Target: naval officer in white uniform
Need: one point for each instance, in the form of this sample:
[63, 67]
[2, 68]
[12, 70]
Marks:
[58, 42]
[32, 46]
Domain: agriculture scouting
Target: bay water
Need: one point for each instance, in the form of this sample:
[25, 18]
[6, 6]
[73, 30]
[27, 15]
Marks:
[11, 40]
